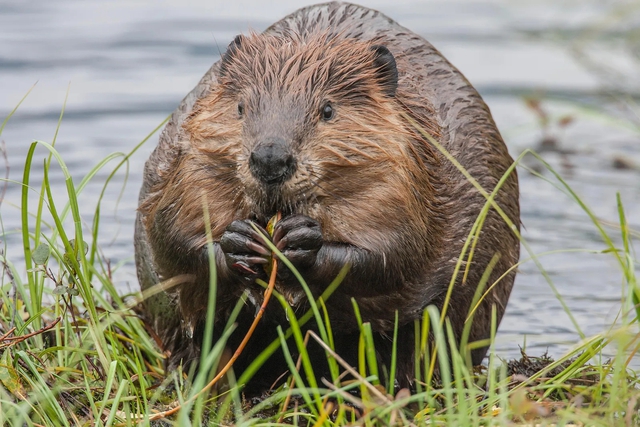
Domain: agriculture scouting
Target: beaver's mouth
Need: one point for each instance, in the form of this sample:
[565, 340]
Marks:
[262, 217]
[268, 200]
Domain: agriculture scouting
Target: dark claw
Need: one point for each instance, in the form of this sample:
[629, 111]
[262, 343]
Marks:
[243, 247]
[241, 267]
[259, 249]
[299, 238]
[246, 259]
[241, 237]
[277, 234]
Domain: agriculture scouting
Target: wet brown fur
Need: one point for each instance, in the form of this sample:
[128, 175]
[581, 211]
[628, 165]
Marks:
[344, 180]
[368, 177]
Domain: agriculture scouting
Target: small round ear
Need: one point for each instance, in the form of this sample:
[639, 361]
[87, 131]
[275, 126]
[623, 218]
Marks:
[385, 65]
[231, 51]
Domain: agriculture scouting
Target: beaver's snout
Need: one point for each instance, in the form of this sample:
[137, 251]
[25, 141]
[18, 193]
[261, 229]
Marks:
[271, 161]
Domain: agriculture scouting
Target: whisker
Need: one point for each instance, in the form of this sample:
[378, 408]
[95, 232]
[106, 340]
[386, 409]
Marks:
[316, 183]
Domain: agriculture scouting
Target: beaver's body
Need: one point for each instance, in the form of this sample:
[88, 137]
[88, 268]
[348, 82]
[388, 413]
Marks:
[313, 119]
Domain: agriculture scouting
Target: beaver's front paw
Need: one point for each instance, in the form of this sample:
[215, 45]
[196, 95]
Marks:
[244, 249]
[299, 238]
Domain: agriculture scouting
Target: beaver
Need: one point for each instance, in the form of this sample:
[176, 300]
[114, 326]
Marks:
[317, 118]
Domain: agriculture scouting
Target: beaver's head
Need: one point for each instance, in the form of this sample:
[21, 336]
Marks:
[317, 125]
[304, 121]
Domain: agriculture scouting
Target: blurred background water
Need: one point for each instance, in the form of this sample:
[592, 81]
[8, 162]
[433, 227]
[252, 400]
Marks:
[560, 77]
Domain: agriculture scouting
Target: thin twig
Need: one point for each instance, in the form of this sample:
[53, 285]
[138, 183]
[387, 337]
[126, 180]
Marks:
[9, 341]
[229, 364]
[349, 368]
[9, 332]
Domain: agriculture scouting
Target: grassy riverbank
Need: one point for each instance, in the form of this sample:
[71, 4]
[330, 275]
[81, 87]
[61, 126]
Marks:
[73, 351]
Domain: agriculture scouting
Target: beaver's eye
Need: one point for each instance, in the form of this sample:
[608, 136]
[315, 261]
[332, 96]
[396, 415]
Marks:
[240, 109]
[327, 112]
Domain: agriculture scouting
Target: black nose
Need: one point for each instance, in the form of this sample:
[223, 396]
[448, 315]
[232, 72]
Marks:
[271, 161]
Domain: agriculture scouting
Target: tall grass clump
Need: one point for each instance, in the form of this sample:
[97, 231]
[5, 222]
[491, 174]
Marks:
[74, 351]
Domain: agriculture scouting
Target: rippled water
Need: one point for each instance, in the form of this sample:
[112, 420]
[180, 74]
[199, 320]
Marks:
[128, 64]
